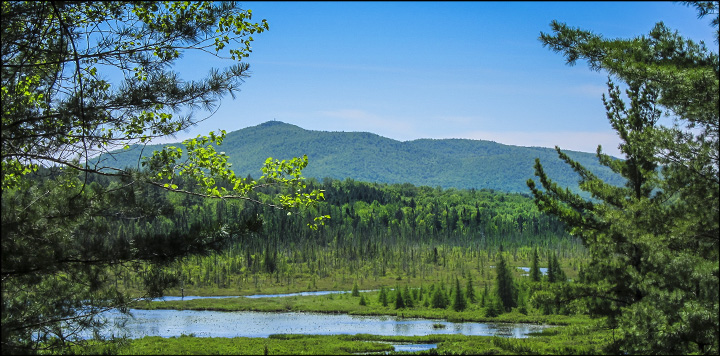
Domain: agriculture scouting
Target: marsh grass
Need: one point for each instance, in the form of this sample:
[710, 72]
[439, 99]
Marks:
[581, 338]
[274, 345]
[345, 303]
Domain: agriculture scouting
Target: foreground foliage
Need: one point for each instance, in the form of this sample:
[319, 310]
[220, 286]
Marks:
[653, 243]
[84, 78]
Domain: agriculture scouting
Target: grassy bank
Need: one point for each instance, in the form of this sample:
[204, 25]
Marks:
[348, 304]
[586, 340]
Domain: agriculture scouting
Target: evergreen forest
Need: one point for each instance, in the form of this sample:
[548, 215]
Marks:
[374, 230]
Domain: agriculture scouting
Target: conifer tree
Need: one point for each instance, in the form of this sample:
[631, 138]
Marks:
[494, 306]
[459, 303]
[408, 297]
[554, 272]
[399, 301]
[484, 296]
[382, 297]
[470, 290]
[653, 242]
[505, 287]
[560, 275]
[522, 299]
[438, 299]
[61, 250]
[535, 267]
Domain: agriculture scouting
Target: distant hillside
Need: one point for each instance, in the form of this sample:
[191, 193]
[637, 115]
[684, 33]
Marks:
[449, 163]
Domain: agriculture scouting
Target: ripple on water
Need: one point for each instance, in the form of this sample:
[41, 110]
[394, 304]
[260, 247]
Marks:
[191, 297]
[169, 323]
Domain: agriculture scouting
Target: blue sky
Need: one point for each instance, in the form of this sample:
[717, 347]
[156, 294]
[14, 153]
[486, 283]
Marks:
[410, 70]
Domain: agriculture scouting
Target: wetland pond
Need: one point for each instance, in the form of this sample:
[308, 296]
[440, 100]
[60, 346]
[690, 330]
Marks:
[204, 323]
[299, 294]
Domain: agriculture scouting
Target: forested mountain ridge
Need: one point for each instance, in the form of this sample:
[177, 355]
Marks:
[363, 156]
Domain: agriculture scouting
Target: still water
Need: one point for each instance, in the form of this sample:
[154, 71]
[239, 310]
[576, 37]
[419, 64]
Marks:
[299, 294]
[543, 270]
[202, 323]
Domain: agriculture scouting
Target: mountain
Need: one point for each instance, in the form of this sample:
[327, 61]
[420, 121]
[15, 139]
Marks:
[449, 163]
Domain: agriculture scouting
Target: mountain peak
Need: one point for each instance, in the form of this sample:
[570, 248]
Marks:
[274, 123]
[363, 156]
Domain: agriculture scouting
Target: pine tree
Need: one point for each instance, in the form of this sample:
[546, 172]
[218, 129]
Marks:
[59, 109]
[652, 242]
[522, 300]
[408, 297]
[459, 303]
[535, 267]
[399, 301]
[382, 297]
[552, 273]
[560, 275]
[438, 299]
[470, 290]
[483, 300]
[505, 285]
[494, 307]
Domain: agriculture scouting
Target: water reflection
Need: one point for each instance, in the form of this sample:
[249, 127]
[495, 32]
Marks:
[169, 323]
[191, 297]
[302, 294]
[543, 270]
